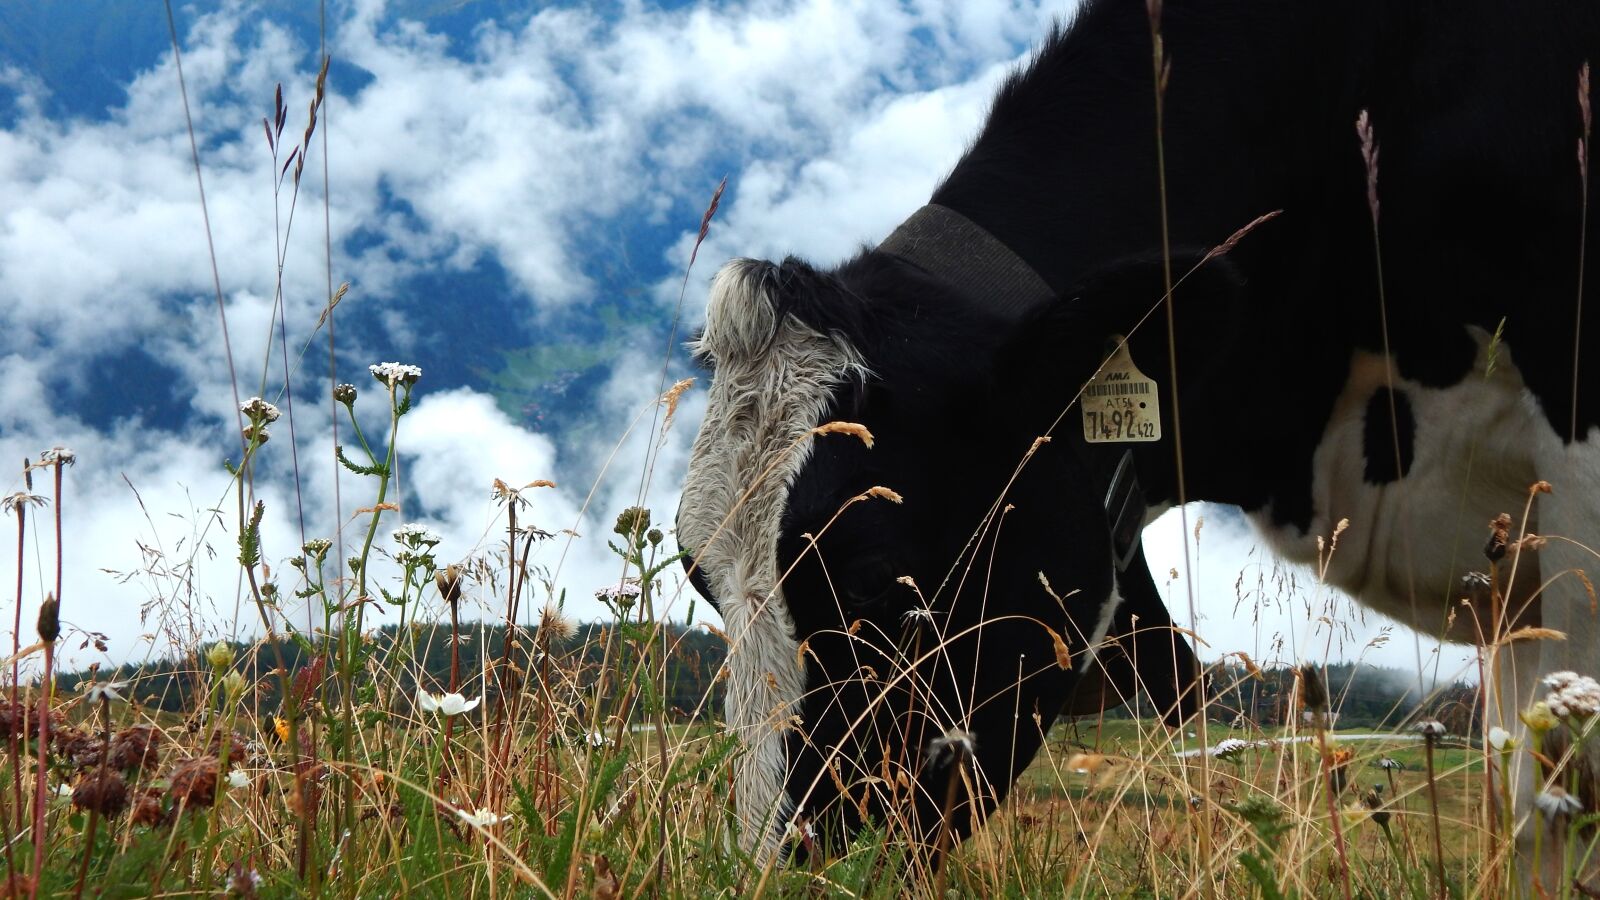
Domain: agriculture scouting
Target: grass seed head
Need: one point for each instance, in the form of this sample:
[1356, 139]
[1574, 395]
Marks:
[851, 428]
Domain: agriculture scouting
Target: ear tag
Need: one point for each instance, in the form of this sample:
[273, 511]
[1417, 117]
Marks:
[1120, 405]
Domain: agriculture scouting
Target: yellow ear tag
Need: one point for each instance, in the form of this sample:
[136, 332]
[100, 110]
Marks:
[1120, 405]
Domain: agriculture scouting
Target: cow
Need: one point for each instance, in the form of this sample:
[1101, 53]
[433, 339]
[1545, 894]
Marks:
[1321, 262]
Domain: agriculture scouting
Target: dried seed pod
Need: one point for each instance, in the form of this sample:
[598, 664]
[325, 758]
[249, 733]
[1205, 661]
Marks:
[135, 747]
[101, 791]
[194, 782]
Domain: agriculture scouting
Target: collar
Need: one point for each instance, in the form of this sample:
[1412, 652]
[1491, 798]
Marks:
[961, 252]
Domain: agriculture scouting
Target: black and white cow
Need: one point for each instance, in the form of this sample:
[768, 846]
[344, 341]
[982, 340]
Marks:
[876, 643]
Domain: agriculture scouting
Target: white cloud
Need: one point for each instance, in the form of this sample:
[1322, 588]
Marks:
[527, 146]
[1249, 601]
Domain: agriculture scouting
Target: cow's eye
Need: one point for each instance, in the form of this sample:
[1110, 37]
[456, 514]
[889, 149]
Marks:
[867, 581]
[697, 578]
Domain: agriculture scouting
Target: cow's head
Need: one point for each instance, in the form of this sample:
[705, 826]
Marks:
[897, 655]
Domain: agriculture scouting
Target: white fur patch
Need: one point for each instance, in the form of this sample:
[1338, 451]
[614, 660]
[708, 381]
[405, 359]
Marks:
[1410, 541]
[773, 383]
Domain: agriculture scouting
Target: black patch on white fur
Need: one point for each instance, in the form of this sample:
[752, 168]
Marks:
[1389, 441]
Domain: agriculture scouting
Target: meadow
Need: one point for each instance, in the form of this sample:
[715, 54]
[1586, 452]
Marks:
[334, 756]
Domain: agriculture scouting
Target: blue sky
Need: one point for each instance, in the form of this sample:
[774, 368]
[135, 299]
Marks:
[500, 174]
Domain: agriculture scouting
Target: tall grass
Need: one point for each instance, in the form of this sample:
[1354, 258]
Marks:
[324, 759]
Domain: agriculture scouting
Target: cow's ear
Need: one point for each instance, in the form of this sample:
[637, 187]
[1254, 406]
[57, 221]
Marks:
[1068, 338]
[751, 300]
[1126, 298]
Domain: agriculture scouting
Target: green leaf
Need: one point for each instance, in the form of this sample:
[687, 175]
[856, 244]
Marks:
[376, 469]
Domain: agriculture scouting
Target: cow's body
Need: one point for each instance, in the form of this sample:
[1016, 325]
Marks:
[1305, 395]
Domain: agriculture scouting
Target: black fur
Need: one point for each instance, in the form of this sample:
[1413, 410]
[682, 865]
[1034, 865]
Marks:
[1473, 105]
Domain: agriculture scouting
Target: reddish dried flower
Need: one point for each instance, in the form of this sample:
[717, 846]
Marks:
[147, 808]
[194, 782]
[135, 747]
[76, 746]
[104, 792]
[19, 718]
[237, 748]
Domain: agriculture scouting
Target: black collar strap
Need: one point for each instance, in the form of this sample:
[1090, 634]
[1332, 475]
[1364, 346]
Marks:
[959, 251]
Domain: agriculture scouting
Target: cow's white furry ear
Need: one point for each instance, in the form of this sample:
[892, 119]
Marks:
[741, 315]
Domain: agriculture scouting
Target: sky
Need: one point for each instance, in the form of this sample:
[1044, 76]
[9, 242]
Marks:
[566, 149]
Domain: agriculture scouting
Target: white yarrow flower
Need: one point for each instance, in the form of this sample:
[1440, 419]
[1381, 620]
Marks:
[413, 534]
[1229, 748]
[238, 779]
[451, 704]
[483, 818]
[57, 456]
[393, 373]
[258, 410]
[1572, 696]
[597, 739]
[626, 590]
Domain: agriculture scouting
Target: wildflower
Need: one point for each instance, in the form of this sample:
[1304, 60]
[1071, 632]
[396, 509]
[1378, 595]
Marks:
[448, 581]
[1196, 801]
[104, 792]
[1229, 748]
[631, 521]
[1374, 802]
[954, 746]
[916, 614]
[256, 434]
[1539, 718]
[233, 684]
[243, 880]
[20, 501]
[78, 747]
[316, 548]
[483, 818]
[57, 456]
[1572, 696]
[553, 623]
[1556, 802]
[344, 393]
[135, 747]
[259, 411]
[63, 792]
[451, 704]
[147, 809]
[596, 739]
[1390, 764]
[1313, 692]
[106, 692]
[238, 779]
[220, 656]
[395, 374]
[803, 832]
[194, 782]
[622, 594]
[49, 619]
[280, 729]
[415, 536]
[1430, 729]
[1501, 740]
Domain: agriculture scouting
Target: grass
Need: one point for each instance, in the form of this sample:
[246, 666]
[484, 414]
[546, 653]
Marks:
[326, 758]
